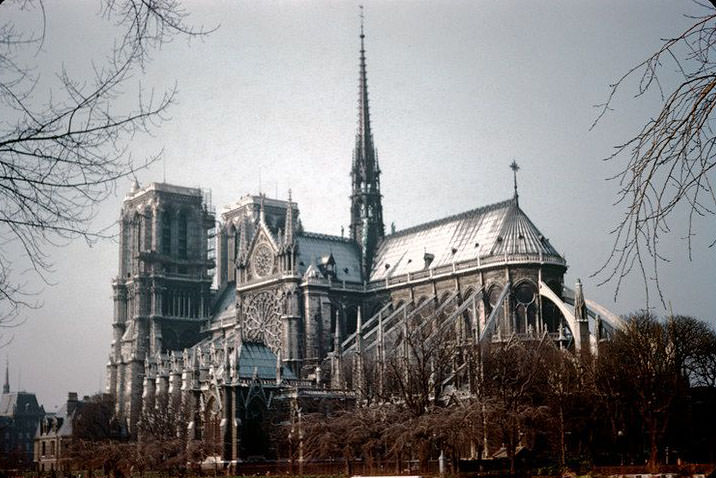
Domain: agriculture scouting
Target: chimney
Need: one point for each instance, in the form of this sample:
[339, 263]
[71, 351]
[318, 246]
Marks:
[72, 402]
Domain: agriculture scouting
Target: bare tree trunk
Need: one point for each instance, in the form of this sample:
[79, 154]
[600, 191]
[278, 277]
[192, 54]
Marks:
[349, 465]
[562, 445]
[653, 449]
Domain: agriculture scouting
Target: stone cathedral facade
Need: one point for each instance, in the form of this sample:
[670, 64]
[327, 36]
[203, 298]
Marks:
[290, 307]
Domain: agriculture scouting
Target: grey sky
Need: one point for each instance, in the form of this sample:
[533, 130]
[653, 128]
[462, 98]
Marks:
[457, 91]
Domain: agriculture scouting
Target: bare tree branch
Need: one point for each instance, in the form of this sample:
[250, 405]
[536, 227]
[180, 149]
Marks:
[669, 164]
[59, 159]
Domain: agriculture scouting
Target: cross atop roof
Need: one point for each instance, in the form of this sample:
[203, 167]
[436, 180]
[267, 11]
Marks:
[514, 167]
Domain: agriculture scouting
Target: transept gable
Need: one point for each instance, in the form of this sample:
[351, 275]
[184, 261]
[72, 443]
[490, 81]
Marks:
[262, 252]
[263, 233]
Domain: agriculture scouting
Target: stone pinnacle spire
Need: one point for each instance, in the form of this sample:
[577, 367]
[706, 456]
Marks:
[579, 307]
[288, 224]
[6, 386]
[366, 227]
[364, 138]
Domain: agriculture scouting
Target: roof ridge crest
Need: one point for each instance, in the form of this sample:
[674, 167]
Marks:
[454, 217]
[320, 235]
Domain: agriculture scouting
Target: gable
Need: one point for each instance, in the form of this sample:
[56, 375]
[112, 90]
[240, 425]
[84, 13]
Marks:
[262, 253]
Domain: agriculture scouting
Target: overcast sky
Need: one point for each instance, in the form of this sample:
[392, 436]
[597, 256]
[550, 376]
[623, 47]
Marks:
[457, 91]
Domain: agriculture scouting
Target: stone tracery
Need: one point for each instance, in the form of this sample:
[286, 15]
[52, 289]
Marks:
[262, 320]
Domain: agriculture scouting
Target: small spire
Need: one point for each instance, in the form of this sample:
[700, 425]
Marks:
[243, 243]
[262, 215]
[6, 386]
[337, 338]
[227, 362]
[359, 324]
[288, 226]
[358, 372]
[580, 312]
[279, 371]
[238, 344]
[514, 167]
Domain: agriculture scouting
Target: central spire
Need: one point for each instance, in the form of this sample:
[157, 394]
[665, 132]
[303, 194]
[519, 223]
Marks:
[364, 138]
[366, 226]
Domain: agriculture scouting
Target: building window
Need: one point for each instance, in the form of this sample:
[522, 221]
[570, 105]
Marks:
[126, 249]
[138, 246]
[166, 233]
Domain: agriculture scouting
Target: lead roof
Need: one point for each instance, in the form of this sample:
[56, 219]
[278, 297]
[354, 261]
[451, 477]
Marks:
[14, 404]
[313, 247]
[495, 230]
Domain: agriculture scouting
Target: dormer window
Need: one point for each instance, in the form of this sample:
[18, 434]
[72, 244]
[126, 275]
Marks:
[428, 259]
[327, 266]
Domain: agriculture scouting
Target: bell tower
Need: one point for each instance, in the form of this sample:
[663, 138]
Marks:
[366, 227]
[162, 291]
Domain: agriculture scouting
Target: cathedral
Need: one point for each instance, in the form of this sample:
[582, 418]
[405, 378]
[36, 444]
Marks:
[233, 315]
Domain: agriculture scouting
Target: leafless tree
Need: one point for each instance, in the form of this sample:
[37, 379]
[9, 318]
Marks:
[96, 439]
[693, 348]
[61, 154]
[668, 166]
[643, 368]
[164, 444]
[512, 379]
[568, 388]
[704, 363]
[420, 360]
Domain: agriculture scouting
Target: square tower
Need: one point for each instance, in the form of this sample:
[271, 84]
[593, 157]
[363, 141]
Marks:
[162, 290]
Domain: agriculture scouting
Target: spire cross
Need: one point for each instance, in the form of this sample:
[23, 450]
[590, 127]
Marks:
[514, 167]
[362, 17]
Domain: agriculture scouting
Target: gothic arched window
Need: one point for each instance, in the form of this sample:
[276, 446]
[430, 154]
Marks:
[492, 303]
[182, 228]
[525, 309]
[147, 225]
[166, 237]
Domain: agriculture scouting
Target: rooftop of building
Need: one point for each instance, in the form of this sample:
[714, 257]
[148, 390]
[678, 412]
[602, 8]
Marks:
[317, 249]
[255, 360]
[499, 229]
[137, 190]
[256, 199]
[14, 404]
